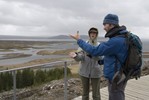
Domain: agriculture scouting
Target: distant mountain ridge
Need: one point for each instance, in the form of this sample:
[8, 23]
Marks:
[67, 37]
[7, 37]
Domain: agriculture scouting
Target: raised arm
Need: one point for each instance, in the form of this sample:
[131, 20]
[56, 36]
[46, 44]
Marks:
[105, 48]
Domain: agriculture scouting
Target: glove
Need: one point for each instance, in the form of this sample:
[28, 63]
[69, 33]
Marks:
[89, 55]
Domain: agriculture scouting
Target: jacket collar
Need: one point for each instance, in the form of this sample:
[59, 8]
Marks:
[116, 31]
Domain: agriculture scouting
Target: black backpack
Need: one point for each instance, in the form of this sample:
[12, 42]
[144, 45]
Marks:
[132, 65]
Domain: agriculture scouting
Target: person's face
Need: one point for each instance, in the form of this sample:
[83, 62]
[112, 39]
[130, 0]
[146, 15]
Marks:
[107, 27]
[93, 35]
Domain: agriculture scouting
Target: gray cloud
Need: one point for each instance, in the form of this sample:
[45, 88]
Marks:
[55, 17]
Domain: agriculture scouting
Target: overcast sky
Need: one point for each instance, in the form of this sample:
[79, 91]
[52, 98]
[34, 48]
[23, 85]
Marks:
[62, 17]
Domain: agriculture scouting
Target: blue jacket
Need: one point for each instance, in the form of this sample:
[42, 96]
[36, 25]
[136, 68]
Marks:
[115, 47]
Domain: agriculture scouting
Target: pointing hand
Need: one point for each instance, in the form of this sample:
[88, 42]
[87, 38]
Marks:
[75, 36]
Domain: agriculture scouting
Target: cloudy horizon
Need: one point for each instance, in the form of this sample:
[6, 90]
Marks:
[63, 17]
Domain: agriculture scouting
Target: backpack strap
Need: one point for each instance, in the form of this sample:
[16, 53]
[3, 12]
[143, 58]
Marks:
[119, 75]
[122, 66]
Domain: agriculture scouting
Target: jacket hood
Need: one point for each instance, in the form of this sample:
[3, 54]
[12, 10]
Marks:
[116, 31]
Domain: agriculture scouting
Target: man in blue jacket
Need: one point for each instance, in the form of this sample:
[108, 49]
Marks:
[112, 50]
